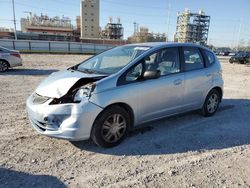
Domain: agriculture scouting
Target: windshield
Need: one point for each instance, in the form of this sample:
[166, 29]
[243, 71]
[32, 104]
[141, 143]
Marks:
[111, 61]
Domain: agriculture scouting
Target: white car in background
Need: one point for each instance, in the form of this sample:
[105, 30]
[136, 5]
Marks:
[9, 58]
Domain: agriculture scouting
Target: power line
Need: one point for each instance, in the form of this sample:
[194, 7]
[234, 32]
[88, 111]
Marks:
[26, 5]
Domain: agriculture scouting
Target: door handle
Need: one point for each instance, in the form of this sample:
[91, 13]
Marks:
[177, 82]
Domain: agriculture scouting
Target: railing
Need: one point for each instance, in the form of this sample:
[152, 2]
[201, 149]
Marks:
[33, 46]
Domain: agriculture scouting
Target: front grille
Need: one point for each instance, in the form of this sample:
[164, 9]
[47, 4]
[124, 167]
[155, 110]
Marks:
[38, 99]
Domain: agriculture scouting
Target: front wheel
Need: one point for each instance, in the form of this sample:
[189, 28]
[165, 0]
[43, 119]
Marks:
[211, 103]
[111, 127]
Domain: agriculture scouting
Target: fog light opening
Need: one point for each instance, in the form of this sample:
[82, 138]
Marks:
[52, 121]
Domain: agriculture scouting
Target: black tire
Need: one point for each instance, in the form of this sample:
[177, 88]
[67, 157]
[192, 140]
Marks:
[109, 123]
[3, 66]
[242, 62]
[211, 103]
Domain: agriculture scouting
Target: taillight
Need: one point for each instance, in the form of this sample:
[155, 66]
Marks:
[15, 54]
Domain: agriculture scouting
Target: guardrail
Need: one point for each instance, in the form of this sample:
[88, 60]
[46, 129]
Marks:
[33, 46]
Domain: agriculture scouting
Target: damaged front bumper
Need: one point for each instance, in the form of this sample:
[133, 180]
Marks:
[71, 121]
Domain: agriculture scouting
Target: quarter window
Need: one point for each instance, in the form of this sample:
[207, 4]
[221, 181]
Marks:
[134, 74]
[193, 59]
[210, 57]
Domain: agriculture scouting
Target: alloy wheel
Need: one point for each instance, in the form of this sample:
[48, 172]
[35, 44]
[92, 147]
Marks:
[3, 66]
[113, 128]
[212, 103]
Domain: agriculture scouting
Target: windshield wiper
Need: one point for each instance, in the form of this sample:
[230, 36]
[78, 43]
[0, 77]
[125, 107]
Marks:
[89, 71]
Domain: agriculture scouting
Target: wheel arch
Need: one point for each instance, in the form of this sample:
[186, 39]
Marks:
[219, 89]
[125, 107]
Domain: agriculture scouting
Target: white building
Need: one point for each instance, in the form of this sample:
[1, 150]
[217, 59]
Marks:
[90, 18]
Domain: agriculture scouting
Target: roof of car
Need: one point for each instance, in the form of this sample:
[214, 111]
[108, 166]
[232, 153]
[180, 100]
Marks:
[166, 44]
[2, 48]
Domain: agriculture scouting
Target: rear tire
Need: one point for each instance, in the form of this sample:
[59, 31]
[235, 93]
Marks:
[111, 127]
[242, 62]
[211, 103]
[3, 66]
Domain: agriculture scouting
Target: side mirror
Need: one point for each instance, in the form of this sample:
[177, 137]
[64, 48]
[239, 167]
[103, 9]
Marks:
[151, 74]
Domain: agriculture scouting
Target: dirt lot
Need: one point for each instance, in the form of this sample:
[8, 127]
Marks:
[184, 151]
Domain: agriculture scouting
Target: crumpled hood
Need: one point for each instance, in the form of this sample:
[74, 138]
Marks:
[59, 83]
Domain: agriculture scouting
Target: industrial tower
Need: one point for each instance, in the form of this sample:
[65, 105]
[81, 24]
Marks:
[192, 27]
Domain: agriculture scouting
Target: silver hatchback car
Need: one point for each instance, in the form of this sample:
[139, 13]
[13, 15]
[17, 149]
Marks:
[108, 94]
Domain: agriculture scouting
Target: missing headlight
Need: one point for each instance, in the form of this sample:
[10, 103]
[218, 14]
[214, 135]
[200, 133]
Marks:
[84, 92]
[76, 95]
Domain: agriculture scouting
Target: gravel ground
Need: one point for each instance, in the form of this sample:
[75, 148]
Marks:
[182, 151]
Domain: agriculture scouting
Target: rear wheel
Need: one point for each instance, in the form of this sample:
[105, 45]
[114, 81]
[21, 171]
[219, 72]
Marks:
[211, 103]
[111, 127]
[3, 66]
[242, 62]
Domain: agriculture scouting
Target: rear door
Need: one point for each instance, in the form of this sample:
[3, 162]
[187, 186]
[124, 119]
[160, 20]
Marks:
[197, 77]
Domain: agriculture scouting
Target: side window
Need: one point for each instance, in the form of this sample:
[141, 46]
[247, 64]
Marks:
[210, 57]
[165, 61]
[193, 58]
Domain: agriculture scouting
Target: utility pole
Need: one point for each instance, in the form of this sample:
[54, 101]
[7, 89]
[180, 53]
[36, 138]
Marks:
[239, 33]
[135, 27]
[14, 15]
[168, 10]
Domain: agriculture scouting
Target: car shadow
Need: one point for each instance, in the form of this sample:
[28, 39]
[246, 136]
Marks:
[12, 178]
[229, 127]
[29, 72]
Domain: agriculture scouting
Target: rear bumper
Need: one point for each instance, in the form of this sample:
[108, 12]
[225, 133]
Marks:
[66, 121]
[16, 62]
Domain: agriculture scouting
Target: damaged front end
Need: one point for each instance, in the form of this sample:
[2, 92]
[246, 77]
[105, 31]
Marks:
[69, 115]
[82, 89]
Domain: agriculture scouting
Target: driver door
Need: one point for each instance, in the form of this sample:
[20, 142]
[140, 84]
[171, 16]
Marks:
[163, 96]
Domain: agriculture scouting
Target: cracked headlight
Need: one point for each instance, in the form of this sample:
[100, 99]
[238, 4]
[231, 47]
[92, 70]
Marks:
[84, 92]
[38, 99]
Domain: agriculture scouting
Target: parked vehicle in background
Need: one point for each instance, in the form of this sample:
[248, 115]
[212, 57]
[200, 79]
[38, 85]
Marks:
[107, 95]
[232, 54]
[240, 57]
[9, 58]
[225, 53]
